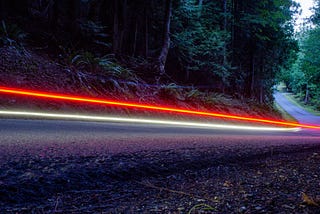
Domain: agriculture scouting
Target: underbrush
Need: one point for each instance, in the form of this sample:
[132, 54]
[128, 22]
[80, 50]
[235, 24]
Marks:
[313, 106]
[83, 73]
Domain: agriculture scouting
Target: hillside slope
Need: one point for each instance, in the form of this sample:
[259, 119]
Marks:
[29, 68]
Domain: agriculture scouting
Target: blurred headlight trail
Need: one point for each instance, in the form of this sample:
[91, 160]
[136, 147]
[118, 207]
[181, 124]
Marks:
[26, 114]
[71, 98]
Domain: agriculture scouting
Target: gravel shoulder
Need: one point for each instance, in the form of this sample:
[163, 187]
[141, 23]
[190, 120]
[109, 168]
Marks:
[276, 179]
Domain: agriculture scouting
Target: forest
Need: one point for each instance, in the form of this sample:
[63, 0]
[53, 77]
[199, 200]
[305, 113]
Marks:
[302, 77]
[159, 106]
[234, 47]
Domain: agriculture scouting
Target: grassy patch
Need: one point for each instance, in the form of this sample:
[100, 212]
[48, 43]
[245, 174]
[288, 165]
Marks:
[301, 104]
[285, 115]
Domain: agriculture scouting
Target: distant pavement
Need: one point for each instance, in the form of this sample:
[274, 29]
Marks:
[301, 115]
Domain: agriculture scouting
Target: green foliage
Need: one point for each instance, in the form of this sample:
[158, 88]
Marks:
[68, 56]
[87, 61]
[201, 208]
[115, 69]
[194, 95]
[268, 37]
[241, 50]
[315, 18]
[171, 92]
[237, 46]
[303, 77]
[199, 42]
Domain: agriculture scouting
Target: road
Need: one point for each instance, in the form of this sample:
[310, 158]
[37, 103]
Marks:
[297, 112]
[63, 138]
[43, 162]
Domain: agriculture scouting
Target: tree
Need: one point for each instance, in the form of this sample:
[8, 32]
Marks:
[303, 76]
[166, 37]
[261, 43]
[231, 46]
[200, 42]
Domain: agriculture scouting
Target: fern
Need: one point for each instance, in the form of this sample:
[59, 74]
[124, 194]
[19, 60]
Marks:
[201, 207]
[194, 95]
[114, 69]
[171, 92]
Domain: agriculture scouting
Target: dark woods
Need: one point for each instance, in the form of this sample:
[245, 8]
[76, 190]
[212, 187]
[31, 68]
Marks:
[230, 46]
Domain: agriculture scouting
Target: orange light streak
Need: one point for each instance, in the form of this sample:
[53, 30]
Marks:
[29, 93]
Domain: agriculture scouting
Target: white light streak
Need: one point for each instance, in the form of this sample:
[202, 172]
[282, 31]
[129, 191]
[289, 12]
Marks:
[143, 121]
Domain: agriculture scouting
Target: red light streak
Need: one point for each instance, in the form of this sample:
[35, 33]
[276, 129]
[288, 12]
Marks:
[29, 93]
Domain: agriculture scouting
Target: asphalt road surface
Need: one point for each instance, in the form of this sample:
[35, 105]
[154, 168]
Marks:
[64, 138]
[298, 113]
[43, 161]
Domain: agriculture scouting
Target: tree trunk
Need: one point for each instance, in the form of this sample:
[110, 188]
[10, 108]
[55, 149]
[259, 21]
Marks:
[115, 44]
[53, 14]
[125, 27]
[225, 30]
[225, 15]
[233, 27]
[2, 9]
[200, 3]
[261, 77]
[135, 40]
[306, 99]
[94, 10]
[261, 94]
[166, 38]
[252, 78]
[74, 15]
[146, 47]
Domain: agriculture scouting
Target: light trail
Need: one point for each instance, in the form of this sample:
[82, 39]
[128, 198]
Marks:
[143, 121]
[55, 96]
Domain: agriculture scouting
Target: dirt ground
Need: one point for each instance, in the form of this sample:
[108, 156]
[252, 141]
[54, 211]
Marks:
[210, 180]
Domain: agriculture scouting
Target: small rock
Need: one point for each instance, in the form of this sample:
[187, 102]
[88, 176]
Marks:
[258, 208]
[242, 209]
[228, 205]
[288, 207]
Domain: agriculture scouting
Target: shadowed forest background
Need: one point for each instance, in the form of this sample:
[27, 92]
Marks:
[234, 47]
[221, 58]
